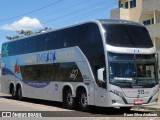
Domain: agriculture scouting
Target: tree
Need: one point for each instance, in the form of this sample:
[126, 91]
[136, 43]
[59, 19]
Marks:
[44, 30]
[14, 37]
[23, 33]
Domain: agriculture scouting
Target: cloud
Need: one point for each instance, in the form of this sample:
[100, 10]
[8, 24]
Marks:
[25, 23]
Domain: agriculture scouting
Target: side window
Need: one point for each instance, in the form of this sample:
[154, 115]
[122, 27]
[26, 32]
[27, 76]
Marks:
[70, 72]
[53, 72]
[44, 72]
[95, 35]
[53, 40]
[16, 47]
[28, 72]
[73, 37]
[69, 37]
[41, 42]
[90, 37]
[20, 47]
[11, 48]
[40, 71]
[64, 38]
[30, 45]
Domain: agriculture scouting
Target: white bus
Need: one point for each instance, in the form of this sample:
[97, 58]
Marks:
[107, 63]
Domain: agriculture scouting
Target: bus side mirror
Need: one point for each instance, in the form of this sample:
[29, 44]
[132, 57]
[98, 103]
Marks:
[101, 74]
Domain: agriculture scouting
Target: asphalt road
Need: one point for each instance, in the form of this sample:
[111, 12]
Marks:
[55, 109]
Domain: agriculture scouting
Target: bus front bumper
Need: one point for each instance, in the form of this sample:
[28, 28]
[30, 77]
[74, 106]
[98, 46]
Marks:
[117, 101]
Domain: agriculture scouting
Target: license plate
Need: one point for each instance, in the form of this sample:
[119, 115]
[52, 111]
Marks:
[138, 102]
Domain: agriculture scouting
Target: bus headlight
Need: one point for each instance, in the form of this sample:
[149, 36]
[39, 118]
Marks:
[117, 93]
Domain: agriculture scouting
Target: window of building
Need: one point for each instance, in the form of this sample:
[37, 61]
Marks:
[152, 20]
[126, 4]
[132, 3]
[148, 22]
[119, 4]
[123, 5]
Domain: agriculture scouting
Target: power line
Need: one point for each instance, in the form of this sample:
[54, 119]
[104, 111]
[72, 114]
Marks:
[79, 12]
[31, 11]
[62, 10]
[67, 15]
[86, 15]
[75, 12]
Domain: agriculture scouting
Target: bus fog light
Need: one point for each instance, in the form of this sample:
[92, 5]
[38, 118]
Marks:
[117, 93]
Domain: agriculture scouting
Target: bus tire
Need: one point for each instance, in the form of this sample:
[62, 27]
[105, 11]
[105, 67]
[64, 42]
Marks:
[13, 93]
[83, 102]
[69, 99]
[19, 93]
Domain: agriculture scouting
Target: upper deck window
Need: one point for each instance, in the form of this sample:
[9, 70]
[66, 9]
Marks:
[123, 35]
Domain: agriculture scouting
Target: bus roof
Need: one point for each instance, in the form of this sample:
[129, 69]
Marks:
[101, 21]
[119, 21]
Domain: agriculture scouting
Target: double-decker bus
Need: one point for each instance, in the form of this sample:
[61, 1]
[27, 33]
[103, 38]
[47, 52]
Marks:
[107, 63]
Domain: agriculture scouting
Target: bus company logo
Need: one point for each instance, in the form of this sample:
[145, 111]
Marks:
[5, 50]
[134, 51]
[46, 57]
[73, 74]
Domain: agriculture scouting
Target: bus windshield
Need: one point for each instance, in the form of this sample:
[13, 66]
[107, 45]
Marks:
[127, 36]
[128, 70]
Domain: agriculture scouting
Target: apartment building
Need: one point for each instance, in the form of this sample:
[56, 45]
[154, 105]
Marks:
[143, 11]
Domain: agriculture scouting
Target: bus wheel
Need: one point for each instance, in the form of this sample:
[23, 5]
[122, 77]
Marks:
[13, 93]
[69, 99]
[19, 93]
[83, 102]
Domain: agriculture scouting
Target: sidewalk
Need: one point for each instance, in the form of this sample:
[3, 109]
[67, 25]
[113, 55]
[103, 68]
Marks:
[149, 108]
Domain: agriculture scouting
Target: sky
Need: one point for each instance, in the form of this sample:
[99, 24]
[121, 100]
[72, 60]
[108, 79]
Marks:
[36, 14]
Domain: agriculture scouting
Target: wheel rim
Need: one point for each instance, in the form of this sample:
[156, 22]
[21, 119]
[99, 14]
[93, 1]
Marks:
[69, 99]
[83, 100]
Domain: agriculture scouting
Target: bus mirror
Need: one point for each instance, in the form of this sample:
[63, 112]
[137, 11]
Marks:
[100, 74]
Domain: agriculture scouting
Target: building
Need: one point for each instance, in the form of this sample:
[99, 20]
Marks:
[143, 11]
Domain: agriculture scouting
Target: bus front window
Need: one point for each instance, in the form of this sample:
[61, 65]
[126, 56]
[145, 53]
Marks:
[127, 70]
[146, 69]
[121, 68]
[127, 36]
